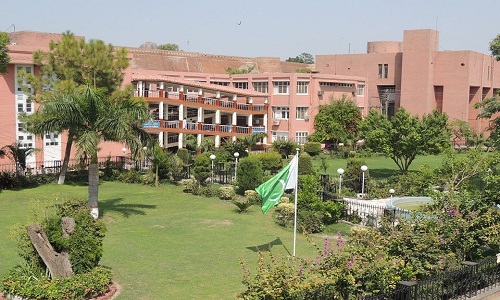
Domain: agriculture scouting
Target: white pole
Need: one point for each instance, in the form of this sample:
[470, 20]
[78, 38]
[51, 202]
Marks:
[295, 213]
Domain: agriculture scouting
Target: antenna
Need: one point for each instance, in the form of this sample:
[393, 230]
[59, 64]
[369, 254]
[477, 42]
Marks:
[11, 26]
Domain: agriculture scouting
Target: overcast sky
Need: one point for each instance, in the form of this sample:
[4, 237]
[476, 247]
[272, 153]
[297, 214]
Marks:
[255, 28]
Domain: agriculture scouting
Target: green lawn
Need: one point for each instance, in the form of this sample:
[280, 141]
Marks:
[162, 243]
[379, 166]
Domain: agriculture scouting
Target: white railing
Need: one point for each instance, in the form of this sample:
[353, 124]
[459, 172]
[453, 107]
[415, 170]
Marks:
[226, 128]
[208, 127]
[243, 106]
[242, 129]
[226, 103]
[210, 101]
[258, 107]
[171, 124]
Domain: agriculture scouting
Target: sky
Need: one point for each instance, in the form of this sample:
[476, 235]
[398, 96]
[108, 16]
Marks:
[259, 28]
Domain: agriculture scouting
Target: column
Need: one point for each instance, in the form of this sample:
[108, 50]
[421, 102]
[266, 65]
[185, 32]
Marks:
[199, 138]
[160, 111]
[160, 138]
[180, 143]
[217, 141]
[165, 111]
[181, 112]
[140, 88]
[265, 129]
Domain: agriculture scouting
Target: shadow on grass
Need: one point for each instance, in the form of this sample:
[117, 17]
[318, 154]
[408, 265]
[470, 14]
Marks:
[267, 246]
[384, 173]
[125, 210]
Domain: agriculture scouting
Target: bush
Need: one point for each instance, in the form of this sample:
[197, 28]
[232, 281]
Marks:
[184, 155]
[310, 221]
[243, 206]
[249, 173]
[331, 210]
[226, 193]
[285, 148]
[202, 168]
[308, 185]
[312, 148]
[208, 191]
[39, 286]
[270, 161]
[353, 175]
[253, 197]
[130, 176]
[305, 164]
[285, 213]
[190, 186]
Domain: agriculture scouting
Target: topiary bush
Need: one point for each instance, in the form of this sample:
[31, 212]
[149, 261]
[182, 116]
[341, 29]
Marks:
[285, 213]
[202, 168]
[226, 193]
[312, 148]
[253, 197]
[353, 176]
[249, 173]
[305, 164]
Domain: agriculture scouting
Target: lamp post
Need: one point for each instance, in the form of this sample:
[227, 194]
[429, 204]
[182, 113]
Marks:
[212, 157]
[340, 171]
[236, 155]
[363, 169]
[391, 191]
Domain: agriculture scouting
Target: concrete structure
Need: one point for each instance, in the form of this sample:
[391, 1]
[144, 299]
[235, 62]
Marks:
[415, 75]
[192, 93]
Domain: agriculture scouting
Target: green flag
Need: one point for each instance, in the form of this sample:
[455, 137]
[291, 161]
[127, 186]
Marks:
[272, 190]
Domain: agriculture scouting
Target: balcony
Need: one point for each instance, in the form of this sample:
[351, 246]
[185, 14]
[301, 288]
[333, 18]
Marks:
[179, 126]
[209, 102]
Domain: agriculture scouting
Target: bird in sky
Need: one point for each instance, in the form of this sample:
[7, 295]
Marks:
[239, 23]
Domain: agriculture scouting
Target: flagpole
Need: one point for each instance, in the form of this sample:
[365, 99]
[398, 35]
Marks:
[295, 213]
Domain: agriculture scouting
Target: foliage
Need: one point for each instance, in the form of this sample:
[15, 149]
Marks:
[285, 147]
[495, 47]
[331, 210]
[305, 164]
[168, 46]
[183, 154]
[489, 109]
[404, 136]
[130, 176]
[304, 58]
[245, 70]
[242, 205]
[353, 175]
[312, 148]
[18, 154]
[253, 197]
[308, 188]
[202, 168]
[4, 52]
[463, 134]
[190, 185]
[337, 122]
[270, 161]
[209, 190]
[310, 221]
[39, 286]
[285, 213]
[249, 173]
[302, 70]
[226, 193]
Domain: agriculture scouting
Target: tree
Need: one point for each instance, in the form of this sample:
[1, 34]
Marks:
[489, 108]
[337, 122]
[95, 117]
[405, 136]
[304, 58]
[495, 47]
[169, 46]
[69, 63]
[18, 154]
[4, 55]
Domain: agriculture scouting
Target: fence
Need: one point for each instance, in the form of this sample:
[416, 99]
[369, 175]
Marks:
[472, 279]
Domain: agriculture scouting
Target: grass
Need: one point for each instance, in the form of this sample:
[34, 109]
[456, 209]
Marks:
[162, 243]
[379, 167]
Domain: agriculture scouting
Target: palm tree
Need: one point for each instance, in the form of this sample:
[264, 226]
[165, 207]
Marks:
[249, 141]
[91, 116]
[18, 154]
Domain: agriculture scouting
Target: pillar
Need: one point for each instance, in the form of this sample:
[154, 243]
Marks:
[180, 143]
[160, 111]
[160, 138]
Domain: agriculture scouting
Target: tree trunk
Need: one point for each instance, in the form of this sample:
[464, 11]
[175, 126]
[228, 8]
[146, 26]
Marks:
[58, 264]
[67, 153]
[94, 187]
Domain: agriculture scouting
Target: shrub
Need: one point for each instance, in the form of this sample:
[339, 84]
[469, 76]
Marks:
[312, 148]
[332, 210]
[202, 168]
[305, 164]
[253, 197]
[183, 154]
[226, 193]
[270, 161]
[353, 175]
[190, 185]
[285, 148]
[243, 205]
[130, 176]
[249, 173]
[208, 191]
[310, 221]
[308, 185]
[285, 213]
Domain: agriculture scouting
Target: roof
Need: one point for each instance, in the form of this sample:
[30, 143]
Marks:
[136, 76]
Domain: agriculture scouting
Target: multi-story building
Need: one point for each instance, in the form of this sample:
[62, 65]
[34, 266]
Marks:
[188, 93]
[416, 75]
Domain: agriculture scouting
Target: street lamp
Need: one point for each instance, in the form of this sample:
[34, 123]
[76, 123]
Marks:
[391, 191]
[236, 155]
[340, 171]
[212, 157]
[124, 150]
[363, 169]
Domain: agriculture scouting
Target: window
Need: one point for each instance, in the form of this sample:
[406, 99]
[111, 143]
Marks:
[28, 70]
[279, 136]
[281, 112]
[223, 83]
[335, 84]
[51, 139]
[301, 137]
[260, 87]
[28, 105]
[20, 107]
[20, 127]
[360, 90]
[383, 71]
[302, 87]
[241, 85]
[281, 87]
[301, 113]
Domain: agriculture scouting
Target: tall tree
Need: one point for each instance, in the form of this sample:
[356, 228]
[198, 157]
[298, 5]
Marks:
[18, 154]
[495, 47]
[489, 110]
[337, 122]
[93, 116]
[69, 63]
[4, 55]
[405, 136]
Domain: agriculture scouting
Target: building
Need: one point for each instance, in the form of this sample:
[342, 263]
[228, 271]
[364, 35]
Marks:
[416, 75]
[188, 93]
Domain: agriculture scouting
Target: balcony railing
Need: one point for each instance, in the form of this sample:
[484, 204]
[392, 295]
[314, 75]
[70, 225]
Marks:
[195, 98]
[198, 126]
